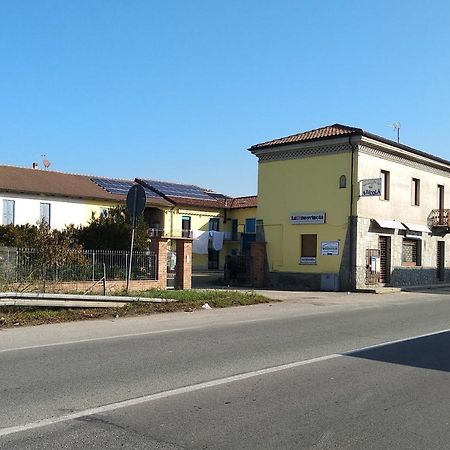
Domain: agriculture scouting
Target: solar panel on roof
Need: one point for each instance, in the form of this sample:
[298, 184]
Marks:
[120, 187]
[178, 190]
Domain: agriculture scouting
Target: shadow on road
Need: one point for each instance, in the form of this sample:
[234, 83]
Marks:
[434, 290]
[430, 352]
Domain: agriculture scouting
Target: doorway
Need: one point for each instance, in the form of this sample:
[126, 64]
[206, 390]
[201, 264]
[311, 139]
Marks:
[440, 261]
[384, 244]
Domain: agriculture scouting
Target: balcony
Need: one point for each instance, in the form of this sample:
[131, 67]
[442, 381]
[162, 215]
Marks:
[161, 232]
[439, 219]
[229, 236]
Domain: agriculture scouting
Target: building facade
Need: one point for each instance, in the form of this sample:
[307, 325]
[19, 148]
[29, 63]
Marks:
[173, 210]
[341, 209]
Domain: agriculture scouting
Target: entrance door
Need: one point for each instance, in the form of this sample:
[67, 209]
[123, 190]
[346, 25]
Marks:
[372, 266]
[440, 263]
[384, 244]
[213, 259]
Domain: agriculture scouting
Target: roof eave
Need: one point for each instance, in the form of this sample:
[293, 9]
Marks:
[316, 142]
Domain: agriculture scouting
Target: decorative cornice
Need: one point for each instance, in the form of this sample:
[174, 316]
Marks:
[404, 160]
[297, 153]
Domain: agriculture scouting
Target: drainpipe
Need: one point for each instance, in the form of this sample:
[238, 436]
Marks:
[352, 235]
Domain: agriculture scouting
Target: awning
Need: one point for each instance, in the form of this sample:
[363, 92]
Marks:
[417, 227]
[390, 224]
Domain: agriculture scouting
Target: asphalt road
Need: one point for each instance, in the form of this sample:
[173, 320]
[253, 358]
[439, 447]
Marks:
[295, 374]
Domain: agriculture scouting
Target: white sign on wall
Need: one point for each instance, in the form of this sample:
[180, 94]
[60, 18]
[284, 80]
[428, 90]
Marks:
[307, 218]
[308, 260]
[371, 188]
[330, 248]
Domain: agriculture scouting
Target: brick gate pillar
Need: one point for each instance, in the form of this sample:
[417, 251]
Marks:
[258, 263]
[183, 279]
[159, 246]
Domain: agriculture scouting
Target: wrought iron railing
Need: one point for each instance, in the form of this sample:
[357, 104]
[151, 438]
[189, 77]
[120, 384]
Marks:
[162, 232]
[439, 218]
[24, 264]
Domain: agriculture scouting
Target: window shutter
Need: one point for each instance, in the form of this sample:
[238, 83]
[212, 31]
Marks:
[8, 212]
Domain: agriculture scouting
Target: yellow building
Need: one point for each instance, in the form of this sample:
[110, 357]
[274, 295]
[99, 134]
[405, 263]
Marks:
[339, 208]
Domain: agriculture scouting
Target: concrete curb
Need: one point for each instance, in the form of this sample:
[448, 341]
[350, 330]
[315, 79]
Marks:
[390, 290]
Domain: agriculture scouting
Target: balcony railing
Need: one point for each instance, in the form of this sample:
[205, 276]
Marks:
[439, 218]
[161, 232]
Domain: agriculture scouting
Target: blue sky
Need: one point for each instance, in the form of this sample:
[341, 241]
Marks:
[178, 90]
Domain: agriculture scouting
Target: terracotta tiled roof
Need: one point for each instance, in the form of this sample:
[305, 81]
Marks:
[34, 181]
[243, 202]
[58, 184]
[312, 135]
[196, 202]
[337, 130]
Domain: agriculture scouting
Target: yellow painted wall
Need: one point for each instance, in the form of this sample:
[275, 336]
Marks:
[240, 214]
[93, 206]
[304, 185]
[199, 221]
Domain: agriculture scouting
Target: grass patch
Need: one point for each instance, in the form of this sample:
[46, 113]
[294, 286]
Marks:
[188, 301]
[216, 299]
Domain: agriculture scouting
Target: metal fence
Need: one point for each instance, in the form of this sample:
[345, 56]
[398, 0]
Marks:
[22, 266]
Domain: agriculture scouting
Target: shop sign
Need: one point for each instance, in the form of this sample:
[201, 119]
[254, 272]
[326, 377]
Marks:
[307, 218]
[330, 248]
[308, 260]
[371, 188]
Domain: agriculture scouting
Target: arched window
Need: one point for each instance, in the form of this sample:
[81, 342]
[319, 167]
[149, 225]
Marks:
[342, 181]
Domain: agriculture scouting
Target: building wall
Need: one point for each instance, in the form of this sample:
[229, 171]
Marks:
[303, 185]
[63, 211]
[240, 214]
[399, 207]
[199, 222]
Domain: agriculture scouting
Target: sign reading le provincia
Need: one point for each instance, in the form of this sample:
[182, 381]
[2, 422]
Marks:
[371, 188]
[301, 218]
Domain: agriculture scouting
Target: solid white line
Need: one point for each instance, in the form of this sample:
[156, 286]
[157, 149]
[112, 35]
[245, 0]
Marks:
[160, 395]
[199, 386]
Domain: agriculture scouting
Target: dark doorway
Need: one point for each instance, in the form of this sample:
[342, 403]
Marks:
[213, 259]
[440, 260]
[384, 244]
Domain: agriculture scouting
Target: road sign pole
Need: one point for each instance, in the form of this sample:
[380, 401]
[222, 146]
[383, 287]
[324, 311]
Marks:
[136, 200]
[132, 240]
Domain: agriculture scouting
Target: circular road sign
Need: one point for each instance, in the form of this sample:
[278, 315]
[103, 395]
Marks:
[136, 199]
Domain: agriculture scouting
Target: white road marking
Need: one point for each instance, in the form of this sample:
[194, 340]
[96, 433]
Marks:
[161, 395]
[198, 386]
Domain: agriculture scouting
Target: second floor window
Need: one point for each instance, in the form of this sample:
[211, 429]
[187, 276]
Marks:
[385, 184]
[214, 224]
[415, 192]
[250, 225]
[186, 226]
[440, 196]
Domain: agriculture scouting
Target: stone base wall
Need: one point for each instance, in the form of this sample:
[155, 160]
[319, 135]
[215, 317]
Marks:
[416, 276]
[399, 275]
